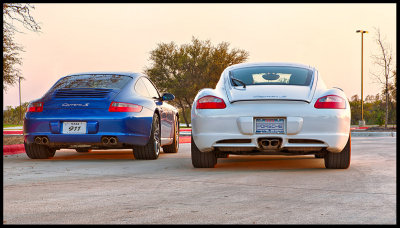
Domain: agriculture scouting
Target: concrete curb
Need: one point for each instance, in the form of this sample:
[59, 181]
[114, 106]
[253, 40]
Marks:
[187, 132]
[373, 134]
[354, 134]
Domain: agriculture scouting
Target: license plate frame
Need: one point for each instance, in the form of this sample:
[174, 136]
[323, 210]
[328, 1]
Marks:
[74, 127]
[269, 125]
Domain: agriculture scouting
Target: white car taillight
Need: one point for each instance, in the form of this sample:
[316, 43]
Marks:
[35, 107]
[330, 101]
[124, 107]
[210, 102]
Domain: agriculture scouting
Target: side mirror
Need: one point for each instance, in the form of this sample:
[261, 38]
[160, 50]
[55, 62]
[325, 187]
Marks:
[167, 97]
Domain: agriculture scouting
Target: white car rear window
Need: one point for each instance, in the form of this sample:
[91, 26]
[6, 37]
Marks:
[272, 75]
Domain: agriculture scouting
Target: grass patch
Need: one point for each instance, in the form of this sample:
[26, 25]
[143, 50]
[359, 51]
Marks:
[11, 125]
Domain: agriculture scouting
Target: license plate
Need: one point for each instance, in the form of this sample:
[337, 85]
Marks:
[74, 128]
[270, 126]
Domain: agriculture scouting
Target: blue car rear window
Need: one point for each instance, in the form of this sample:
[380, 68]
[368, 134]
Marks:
[107, 81]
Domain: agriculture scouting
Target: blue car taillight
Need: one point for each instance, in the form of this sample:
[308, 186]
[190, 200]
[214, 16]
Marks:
[35, 107]
[124, 107]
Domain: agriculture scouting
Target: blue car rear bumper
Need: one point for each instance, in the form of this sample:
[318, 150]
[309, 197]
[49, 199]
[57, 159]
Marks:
[129, 128]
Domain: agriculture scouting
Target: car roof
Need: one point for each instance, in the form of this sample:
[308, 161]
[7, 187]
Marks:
[132, 74]
[241, 65]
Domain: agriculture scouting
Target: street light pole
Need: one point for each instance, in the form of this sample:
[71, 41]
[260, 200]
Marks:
[362, 123]
[20, 108]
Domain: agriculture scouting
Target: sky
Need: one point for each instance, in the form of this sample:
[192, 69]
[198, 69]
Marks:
[119, 37]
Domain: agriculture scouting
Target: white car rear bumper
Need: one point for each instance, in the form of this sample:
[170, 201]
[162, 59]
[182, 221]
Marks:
[307, 128]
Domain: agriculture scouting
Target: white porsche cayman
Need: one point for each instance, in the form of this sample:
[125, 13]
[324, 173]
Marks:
[271, 108]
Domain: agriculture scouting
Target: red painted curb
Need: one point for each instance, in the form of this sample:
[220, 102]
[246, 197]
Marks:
[13, 132]
[359, 128]
[184, 139]
[13, 149]
[185, 129]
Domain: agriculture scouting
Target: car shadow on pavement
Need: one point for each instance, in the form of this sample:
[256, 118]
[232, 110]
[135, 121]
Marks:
[269, 162]
[124, 154]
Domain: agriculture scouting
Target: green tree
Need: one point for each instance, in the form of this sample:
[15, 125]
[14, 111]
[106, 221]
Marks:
[374, 110]
[355, 107]
[392, 87]
[14, 115]
[14, 12]
[184, 70]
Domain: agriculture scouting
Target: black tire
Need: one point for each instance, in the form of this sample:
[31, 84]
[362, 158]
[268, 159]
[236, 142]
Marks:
[52, 152]
[174, 147]
[222, 155]
[151, 150]
[82, 150]
[339, 160]
[318, 155]
[36, 151]
[202, 159]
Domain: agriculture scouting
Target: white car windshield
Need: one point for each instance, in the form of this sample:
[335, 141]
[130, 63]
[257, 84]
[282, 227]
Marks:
[271, 75]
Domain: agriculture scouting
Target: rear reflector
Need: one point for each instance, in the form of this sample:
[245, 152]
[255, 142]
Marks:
[124, 107]
[331, 101]
[210, 102]
[35, 107]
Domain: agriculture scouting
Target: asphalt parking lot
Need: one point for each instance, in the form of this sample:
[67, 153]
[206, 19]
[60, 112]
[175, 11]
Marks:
[110, 187]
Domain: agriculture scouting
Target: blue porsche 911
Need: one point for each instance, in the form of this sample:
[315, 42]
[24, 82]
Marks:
[102, 110]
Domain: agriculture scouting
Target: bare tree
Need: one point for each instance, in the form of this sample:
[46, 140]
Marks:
[385, 62]
[19, 13]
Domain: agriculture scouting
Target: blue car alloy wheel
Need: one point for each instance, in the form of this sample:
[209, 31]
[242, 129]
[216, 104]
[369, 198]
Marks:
[102, 110]
[152, 149]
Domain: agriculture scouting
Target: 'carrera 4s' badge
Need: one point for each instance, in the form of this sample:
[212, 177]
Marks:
[75, 105]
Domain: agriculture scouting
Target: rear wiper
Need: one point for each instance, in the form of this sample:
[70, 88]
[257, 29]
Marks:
[237, 80]
[234, 80]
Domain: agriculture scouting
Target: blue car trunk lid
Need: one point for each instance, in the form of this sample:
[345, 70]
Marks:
[81, 98]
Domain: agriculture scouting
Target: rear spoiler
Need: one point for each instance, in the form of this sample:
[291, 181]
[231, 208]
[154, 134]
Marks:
[338, 88]
[271, 100]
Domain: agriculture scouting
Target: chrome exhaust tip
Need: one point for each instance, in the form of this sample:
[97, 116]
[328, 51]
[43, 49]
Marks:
[269, 144]
[274, 142]
[38, 140]
[45, 140]
[105, 140]
[113, 140]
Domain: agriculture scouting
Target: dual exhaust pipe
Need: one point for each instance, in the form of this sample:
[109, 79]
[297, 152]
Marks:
[109, 140]
[106, 140]
[42, 140]
[270, 144]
